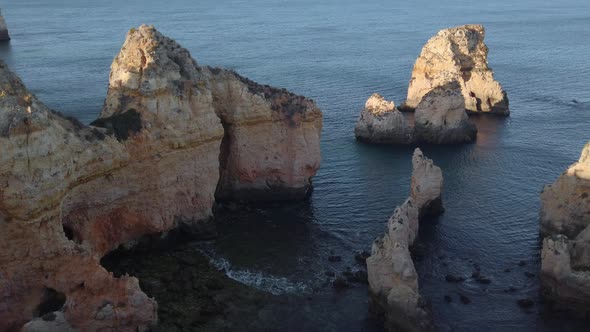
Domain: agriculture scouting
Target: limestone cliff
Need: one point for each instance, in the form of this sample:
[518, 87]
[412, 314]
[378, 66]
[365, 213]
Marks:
[565, 224]
[393, 281]
[70, 193]
[458, 54]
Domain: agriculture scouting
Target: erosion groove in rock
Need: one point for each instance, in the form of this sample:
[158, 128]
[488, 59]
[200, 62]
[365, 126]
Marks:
[565, 225]
[393, 281]
[70, 193]
[458, 54]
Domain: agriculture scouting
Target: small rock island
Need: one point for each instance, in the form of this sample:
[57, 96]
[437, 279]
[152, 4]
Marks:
[393, 281]
[450, 77]
[4, 36]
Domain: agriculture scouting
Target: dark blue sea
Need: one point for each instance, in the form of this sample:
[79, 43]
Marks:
[339, 53]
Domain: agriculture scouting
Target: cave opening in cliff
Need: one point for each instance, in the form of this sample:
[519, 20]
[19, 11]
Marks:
[51, 301]
[69, 232]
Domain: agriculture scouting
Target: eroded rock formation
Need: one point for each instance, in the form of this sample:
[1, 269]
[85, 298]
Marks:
[152, 161]
[3, 29]
[565, 224]
[440, 118]
[393, 281]
[458, 54]
[381, 122]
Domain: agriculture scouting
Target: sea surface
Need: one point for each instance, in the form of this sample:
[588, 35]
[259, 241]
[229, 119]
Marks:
[339, 52]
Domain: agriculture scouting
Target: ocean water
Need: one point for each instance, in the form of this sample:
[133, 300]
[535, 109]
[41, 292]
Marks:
[338, 53]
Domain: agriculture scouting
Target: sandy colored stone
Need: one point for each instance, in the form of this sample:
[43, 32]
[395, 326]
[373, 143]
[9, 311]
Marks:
[381, 122]
[458, 54]
[393, 281]
[565, 225]
[440, 117]
[70, 193]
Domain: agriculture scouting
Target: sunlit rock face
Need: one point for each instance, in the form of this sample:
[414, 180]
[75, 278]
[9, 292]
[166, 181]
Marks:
[45, 159]
[152, 161]
[565, 224]
[393, 281]
[440, 117]
[458, 54]
[381, 122]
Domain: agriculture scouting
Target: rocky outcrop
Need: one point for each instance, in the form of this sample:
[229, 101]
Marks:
[440, 118]
[381, 122]
[152, 161]
[4, 36]
[565, 225]
[393, 281]
[458, 54]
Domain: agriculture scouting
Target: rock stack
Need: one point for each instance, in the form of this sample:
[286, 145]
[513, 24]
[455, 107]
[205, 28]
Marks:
[172, 136]
[458, 54]
[393, 281]
[565, 226]
[4, 36]
[440, 118]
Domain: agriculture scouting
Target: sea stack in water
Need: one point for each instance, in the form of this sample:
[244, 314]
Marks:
[565, 225]
[458, 54]
[70, 193]
[440, 118]
[381, 122]
[4, 36]
[393, 281]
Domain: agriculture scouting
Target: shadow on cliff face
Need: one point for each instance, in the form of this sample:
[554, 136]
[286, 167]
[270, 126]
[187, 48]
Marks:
[121, 125]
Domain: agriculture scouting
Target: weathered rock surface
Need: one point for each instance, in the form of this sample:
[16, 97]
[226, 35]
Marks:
[440, 117]
[3, 29]
[565, 223]
[458, 54]
[381, 122]
[393, 281]
[152, 161]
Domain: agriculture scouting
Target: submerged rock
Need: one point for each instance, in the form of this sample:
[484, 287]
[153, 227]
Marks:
[441, 117]
[565, 224]
[458, 54]
[152, 161]
[381, 122]
[393, 281]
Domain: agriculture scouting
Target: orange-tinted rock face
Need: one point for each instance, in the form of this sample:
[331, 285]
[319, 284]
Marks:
[71, 193]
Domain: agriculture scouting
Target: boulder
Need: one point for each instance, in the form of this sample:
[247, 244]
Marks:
[393, 281]
[565, 225]
[440, 117]
[70, 193]
[458, 54]
[380, 122]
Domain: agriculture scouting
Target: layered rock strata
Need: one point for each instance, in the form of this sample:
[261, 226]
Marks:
[458, 54]
[152, 161]
[393, 281]
[565, 225]
[440, 118]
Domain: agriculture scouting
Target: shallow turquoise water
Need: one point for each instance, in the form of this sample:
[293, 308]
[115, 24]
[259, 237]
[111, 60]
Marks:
[338, 53]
